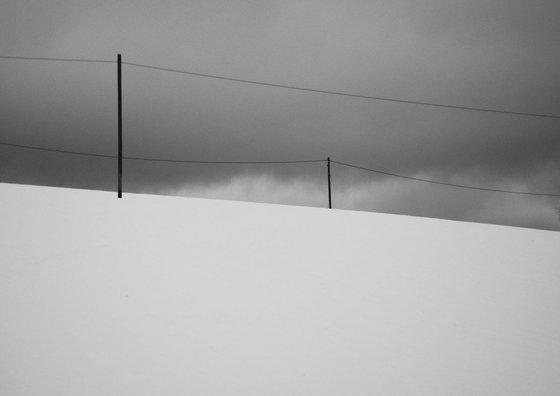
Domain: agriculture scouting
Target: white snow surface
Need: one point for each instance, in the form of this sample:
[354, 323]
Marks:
[153, 295]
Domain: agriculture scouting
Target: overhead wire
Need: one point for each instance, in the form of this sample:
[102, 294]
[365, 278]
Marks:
[293, 87]
[444, 183]
[282, 162]
[36, 58]
[56, 150]
[161, 159]
[345, 94]
[225, 162]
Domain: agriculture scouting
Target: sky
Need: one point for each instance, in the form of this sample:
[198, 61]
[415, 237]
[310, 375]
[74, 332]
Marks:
[158, 295]
[493, 54]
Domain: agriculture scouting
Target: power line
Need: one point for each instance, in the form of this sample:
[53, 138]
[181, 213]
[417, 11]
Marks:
[378, 98]
[292, 87]
[57, 151]
[161, 159]
[225, 162]
[57, 59]
[443, 183]
[279, 162]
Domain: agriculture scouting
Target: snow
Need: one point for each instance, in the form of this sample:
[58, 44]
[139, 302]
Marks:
[163, 295]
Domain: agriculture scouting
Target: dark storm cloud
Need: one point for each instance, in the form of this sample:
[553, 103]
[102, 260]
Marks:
[499, 54]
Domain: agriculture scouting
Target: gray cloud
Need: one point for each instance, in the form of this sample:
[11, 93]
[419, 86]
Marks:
[500, 55]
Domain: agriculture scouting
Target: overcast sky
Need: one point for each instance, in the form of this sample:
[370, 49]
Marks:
[498, 54]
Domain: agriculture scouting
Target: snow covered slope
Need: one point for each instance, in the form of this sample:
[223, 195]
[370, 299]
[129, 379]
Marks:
[154, 295]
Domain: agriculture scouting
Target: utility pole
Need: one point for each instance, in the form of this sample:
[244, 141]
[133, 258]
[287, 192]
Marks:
[119, 82]
[329, 176]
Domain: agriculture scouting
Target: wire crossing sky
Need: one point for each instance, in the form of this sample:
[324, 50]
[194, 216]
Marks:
[443, 183]
[36, 58]
[291, 87]
[159, 159]
[345, 94]
[278, 163]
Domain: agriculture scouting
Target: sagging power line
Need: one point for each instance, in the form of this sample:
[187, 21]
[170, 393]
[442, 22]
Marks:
[443, 183]
[159, 159]
[328, 160]
[38, 58]
[346, 94]
[296, 88]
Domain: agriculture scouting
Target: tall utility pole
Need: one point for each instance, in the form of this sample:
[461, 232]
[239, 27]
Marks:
[329, 176]
[119, 79]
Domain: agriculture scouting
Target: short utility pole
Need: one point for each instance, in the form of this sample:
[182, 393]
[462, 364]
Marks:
[119, 83]
[329, 176]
